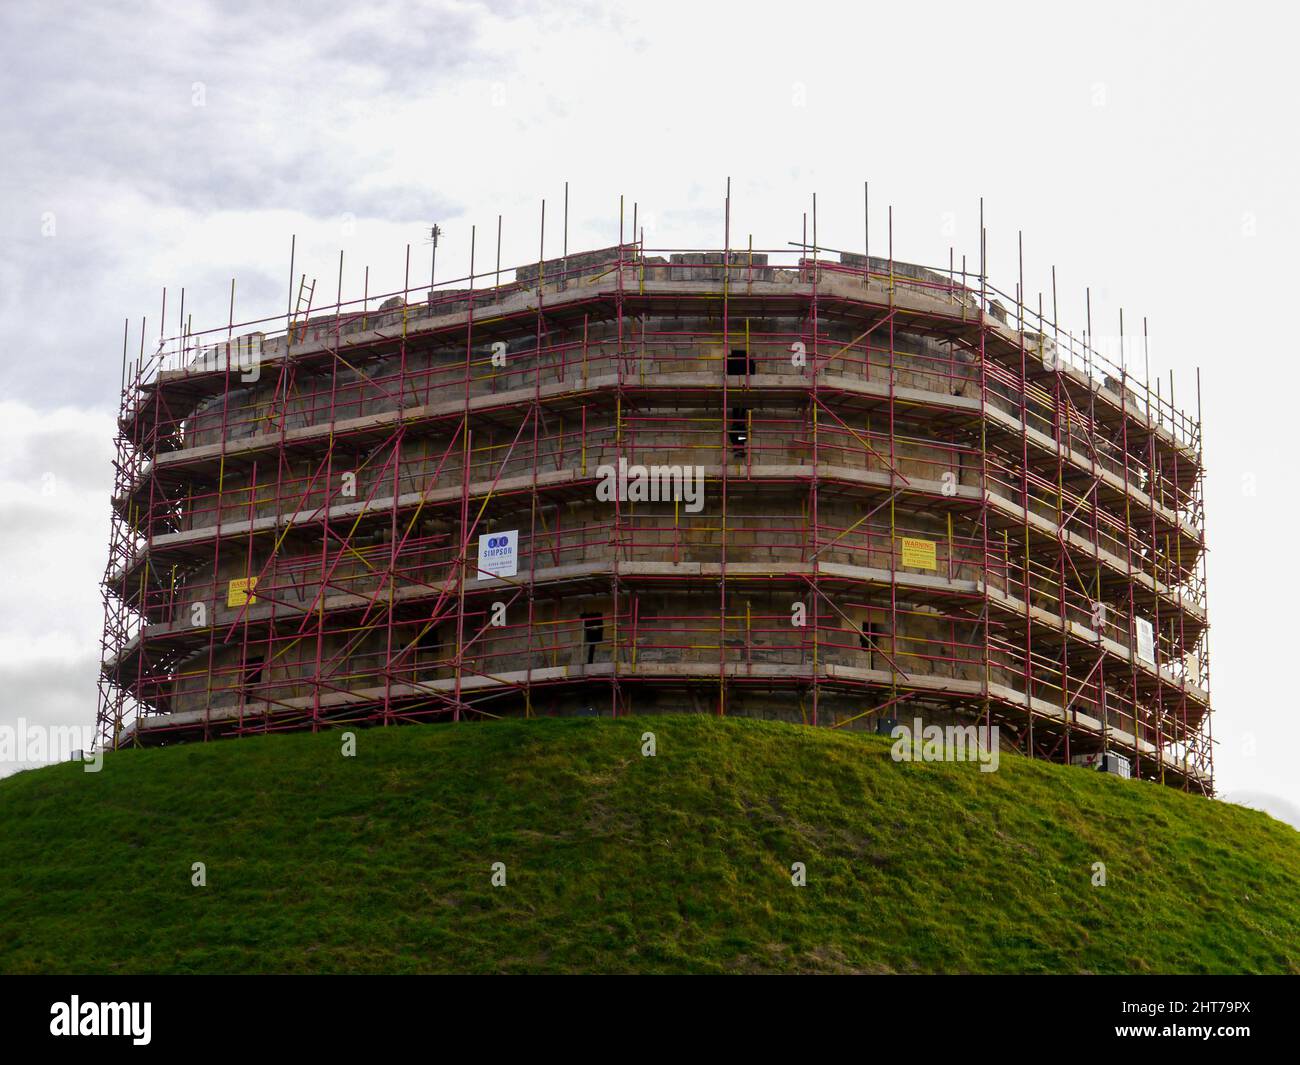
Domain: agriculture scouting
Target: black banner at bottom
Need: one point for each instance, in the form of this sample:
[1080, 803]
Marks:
[87, 1014]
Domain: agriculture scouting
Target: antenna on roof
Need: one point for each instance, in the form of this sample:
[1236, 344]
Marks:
[435, 231]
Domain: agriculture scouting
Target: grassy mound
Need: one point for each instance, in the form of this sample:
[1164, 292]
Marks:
[615, 862]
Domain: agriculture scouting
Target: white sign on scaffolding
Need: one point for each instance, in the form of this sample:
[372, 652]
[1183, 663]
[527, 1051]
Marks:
[1146, 640]
[498, 554]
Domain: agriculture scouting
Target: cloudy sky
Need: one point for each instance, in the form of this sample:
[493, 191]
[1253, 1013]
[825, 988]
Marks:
[1147, 150]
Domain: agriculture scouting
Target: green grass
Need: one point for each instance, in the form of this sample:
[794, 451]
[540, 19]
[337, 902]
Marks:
[616, 862]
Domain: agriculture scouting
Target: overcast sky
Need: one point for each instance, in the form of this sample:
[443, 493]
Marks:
[1147, 150]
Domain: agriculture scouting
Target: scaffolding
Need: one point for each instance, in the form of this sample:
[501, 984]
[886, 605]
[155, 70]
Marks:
[922, 497]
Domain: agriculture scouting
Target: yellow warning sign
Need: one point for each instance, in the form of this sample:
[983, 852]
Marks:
[917, 553]
[240, 591]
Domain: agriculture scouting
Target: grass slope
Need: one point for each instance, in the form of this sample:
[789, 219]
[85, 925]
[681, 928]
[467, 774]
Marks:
[617, 862]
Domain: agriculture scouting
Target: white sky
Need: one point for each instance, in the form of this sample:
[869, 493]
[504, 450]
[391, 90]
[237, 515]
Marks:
[1148, 150]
